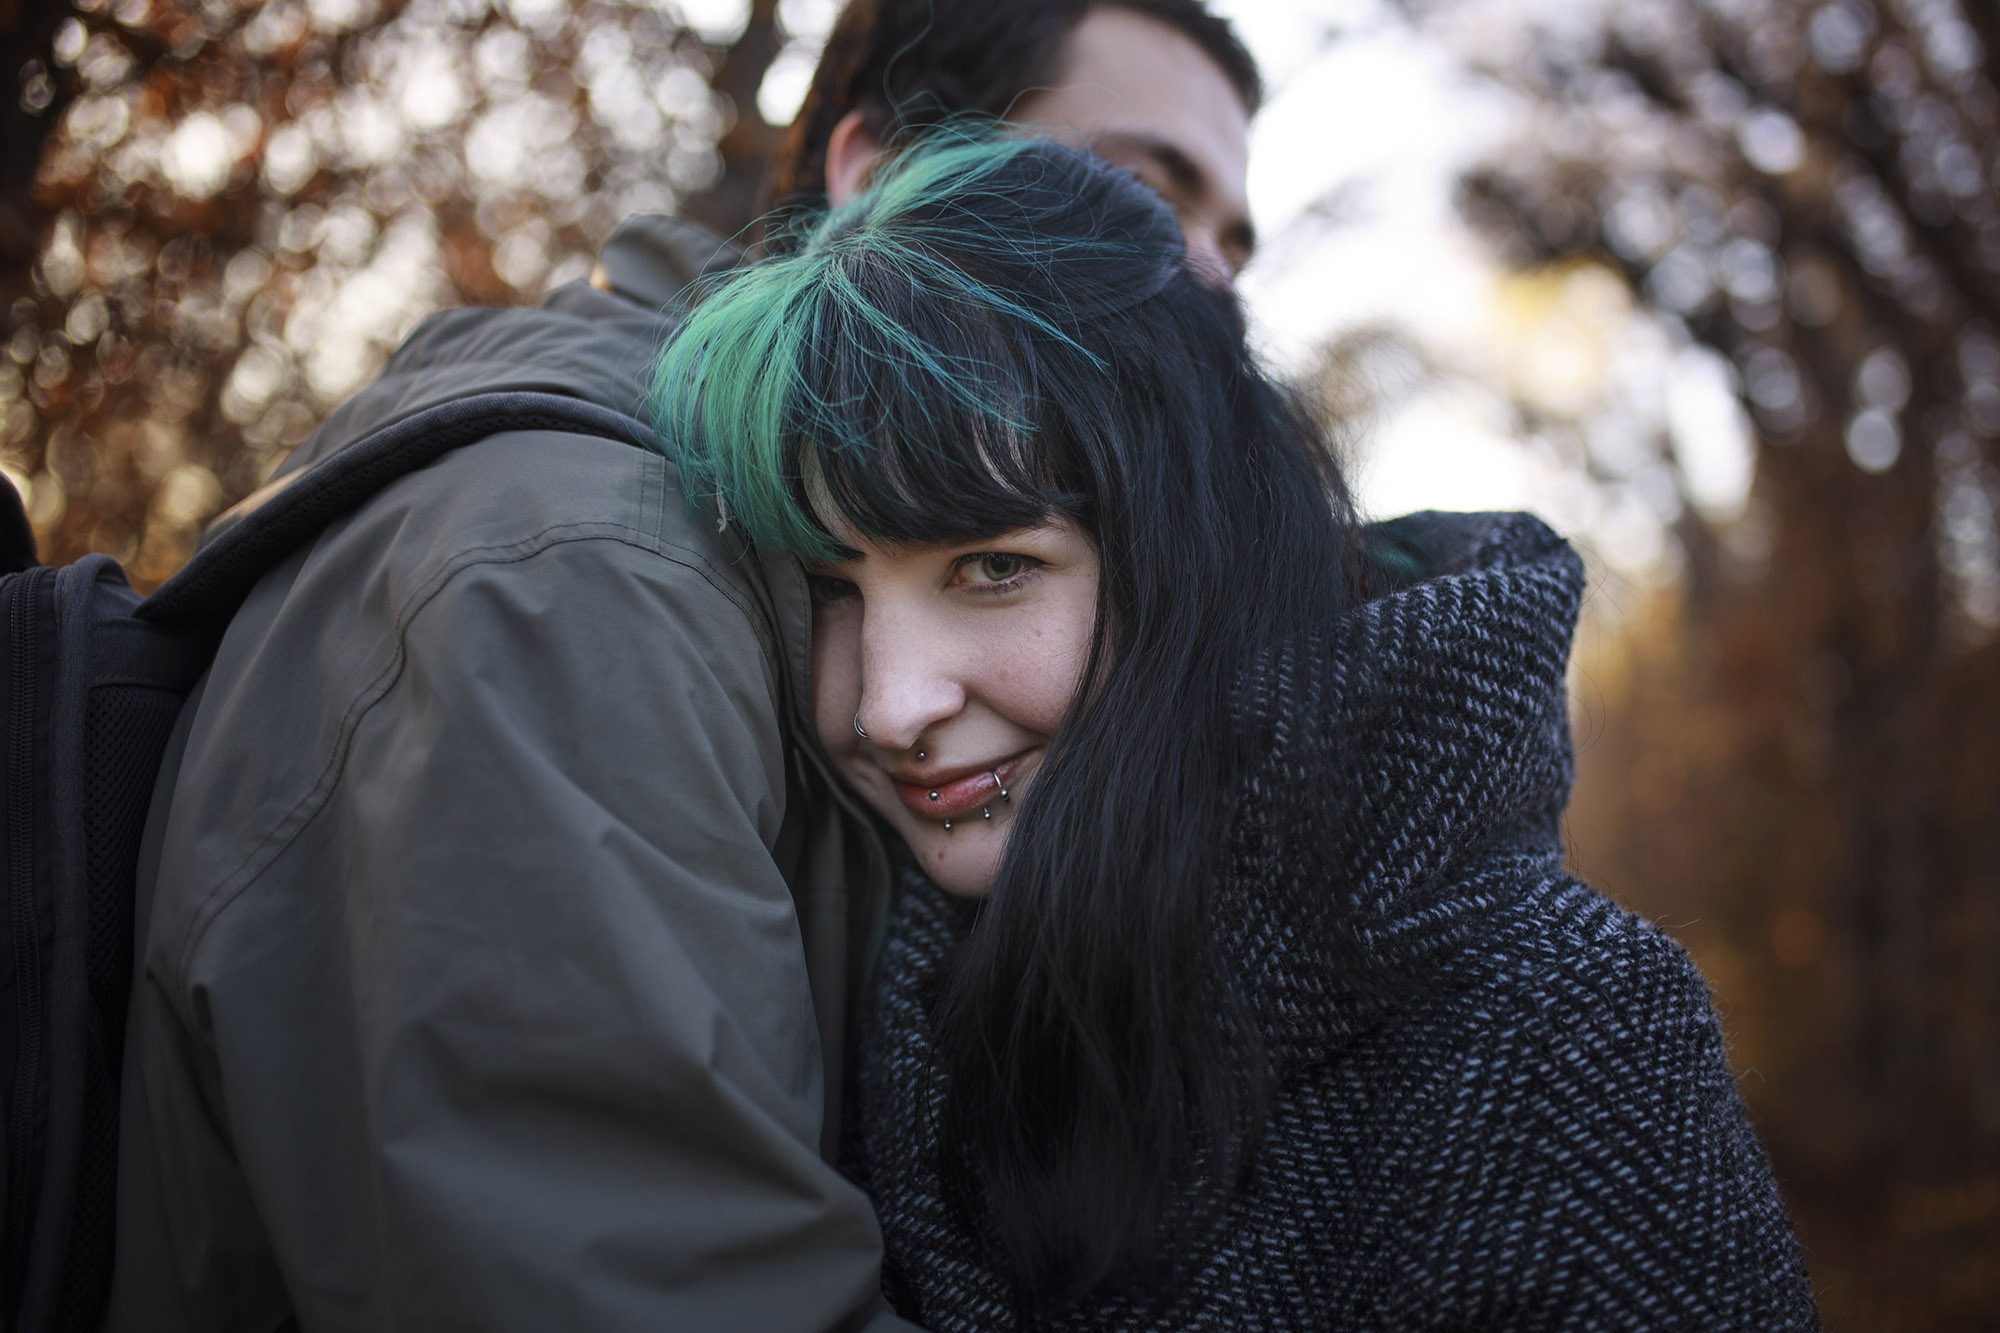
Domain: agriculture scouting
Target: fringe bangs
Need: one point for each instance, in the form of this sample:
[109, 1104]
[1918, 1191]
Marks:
[908, 360]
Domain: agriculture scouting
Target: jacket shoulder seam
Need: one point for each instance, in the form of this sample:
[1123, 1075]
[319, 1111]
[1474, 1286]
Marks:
[267, 849]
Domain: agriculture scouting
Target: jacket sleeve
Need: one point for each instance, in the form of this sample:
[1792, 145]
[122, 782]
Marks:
[515, 1033]
[1650, 1202]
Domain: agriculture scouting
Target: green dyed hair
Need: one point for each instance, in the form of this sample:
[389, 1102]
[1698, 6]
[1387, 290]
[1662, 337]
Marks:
[902, 357]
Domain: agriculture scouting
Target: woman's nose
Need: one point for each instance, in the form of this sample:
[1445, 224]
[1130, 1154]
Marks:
[908, 681]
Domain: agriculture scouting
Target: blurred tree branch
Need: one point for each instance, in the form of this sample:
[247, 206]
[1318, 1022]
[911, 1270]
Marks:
[746, 146]
[38, 96]
[234, 210]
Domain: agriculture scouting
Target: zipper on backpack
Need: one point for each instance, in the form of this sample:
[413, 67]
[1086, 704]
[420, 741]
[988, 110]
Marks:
[21, 755]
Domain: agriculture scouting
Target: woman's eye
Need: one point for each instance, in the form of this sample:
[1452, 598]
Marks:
[826, 589]
[990, 568]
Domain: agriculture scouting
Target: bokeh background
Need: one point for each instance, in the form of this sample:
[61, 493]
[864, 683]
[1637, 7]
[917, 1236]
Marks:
[1712, 284]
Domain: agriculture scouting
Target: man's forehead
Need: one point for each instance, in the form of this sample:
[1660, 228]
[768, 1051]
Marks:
[1119, 71]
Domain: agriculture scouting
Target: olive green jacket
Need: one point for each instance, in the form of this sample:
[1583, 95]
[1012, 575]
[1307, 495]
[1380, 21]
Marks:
[495, 964]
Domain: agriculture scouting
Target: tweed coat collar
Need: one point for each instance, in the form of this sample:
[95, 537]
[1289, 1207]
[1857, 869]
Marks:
[1417, 751]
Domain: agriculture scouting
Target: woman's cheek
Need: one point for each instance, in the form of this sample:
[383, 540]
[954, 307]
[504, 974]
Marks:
[836, 678]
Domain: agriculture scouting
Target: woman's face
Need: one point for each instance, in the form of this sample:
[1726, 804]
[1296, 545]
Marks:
[959, 662]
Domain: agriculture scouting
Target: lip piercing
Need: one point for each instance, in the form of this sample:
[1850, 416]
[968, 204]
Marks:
[985, 811]
[860, 730]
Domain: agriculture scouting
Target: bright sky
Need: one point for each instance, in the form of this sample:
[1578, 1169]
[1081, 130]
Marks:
[1352, 171]
[1352, 168]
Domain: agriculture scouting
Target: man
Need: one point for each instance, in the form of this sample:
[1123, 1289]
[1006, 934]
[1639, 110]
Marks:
[502, 921]
[1160, 86]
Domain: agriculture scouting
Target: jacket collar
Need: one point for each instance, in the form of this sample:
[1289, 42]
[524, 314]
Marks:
[1417, 754]
[653, 259]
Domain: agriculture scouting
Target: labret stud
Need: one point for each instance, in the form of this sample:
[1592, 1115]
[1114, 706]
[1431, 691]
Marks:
[985, 811]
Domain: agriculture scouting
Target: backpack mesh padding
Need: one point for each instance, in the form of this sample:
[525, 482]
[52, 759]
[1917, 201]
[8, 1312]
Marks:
[125, 731]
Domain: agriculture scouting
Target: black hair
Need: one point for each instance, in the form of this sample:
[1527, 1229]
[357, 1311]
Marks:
[1000, 330]
[908, 65]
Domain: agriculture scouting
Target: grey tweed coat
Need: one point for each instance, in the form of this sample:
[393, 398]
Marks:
[1503, 1101]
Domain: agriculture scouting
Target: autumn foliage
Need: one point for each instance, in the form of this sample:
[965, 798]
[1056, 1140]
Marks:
[218, 215]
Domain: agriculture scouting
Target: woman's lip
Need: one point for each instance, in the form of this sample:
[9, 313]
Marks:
[958, 796]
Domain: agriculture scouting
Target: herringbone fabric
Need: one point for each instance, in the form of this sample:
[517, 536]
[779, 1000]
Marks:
[1503, 1101]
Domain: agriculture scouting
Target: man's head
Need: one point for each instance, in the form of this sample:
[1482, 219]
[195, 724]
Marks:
[1160, 86]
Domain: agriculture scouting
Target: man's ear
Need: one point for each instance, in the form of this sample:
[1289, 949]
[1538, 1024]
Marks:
[851, 152]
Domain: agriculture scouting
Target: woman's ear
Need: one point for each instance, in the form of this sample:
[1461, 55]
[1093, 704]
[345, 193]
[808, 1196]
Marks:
[851, 153]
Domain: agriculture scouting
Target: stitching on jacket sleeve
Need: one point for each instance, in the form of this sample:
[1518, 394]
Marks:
[266, 850]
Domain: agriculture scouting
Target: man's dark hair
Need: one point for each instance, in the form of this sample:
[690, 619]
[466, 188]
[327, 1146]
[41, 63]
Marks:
[907, 64]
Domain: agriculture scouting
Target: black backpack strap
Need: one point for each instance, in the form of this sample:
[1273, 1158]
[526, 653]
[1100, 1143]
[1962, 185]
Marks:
[114, 690]
[272, 523]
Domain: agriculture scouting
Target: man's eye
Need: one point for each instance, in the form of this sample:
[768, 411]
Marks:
[826, 589]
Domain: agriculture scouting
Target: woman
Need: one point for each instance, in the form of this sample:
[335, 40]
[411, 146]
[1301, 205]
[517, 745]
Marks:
[1233, 978]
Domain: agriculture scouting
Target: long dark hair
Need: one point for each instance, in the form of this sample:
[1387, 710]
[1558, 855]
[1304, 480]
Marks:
[1000, 330]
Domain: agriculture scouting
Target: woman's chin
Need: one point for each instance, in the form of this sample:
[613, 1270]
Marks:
[962, 860]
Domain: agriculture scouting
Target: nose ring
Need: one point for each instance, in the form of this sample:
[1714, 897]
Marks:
[860, 730]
